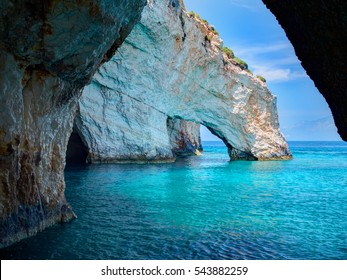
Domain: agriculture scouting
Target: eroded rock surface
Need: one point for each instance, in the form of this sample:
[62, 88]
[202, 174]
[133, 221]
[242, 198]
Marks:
[116, 128]
[318, 32]
[171, 65]
[48, 52]
[184, 137]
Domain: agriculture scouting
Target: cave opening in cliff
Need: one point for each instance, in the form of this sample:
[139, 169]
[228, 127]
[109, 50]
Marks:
[77, 151]
[212, 137]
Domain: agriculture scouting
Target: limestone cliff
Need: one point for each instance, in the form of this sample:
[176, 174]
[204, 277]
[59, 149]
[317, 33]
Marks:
[318, 32]
[48, 51]
[172, 65]
[115, 128]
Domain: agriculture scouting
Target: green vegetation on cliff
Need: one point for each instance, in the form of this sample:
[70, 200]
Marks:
[242, 64]
[209, 26]
[261, 78]
[229, 53]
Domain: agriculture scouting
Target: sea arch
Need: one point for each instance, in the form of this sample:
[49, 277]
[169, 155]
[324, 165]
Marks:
[176, 68]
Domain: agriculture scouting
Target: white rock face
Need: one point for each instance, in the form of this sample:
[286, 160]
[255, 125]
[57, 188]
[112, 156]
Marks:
[117, 128]
[171, 63]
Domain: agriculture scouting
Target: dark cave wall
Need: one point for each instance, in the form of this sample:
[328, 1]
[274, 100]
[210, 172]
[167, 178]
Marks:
[77, 151]
[318, 31]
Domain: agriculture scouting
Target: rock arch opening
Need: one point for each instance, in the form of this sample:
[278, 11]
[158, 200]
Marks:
[125, 110]
[186, 138]
[234, 154]
[77, 151]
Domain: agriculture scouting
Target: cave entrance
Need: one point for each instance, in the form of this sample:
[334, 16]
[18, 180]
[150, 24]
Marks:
[77, 151]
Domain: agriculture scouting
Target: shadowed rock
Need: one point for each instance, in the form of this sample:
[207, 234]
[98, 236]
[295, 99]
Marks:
[318, 32]
[184, 137]
[48, 51]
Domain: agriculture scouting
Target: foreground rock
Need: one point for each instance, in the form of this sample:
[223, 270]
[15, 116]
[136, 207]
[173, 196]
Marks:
[318, 33]
[48, 52]
[171, 65]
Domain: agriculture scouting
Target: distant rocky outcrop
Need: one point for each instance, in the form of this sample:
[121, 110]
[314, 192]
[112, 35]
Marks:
[172, 66]
[48, 51]
[318, 32]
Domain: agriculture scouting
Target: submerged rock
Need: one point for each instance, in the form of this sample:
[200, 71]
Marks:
[172, 65]
[49, 50]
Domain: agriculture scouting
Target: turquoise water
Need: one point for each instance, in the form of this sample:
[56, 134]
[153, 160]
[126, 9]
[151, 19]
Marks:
[204, 208]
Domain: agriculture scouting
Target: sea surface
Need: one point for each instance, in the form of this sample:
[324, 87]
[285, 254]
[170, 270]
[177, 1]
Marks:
[204, 208]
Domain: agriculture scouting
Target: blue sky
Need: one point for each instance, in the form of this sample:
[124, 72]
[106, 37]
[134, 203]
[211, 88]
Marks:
[253, 33]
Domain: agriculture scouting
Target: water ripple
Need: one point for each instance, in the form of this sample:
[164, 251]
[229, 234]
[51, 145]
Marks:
[204, 208]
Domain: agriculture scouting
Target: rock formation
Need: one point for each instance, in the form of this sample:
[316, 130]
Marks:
[318, 32]
[184, 137]
[171, 65]
[48, 51]
[116, 128]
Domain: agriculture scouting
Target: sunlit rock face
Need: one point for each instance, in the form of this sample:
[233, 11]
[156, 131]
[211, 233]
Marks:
[318, 32]
[118, 129]
[48, 51]
[171, 65]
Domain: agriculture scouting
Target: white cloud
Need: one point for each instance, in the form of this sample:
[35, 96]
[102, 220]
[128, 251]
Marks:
[273, 73]
[322, 129]
[263, 49]
[276, 62]
[250, 5]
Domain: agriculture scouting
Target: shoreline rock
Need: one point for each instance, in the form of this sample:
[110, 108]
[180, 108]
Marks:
[49, 50]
